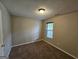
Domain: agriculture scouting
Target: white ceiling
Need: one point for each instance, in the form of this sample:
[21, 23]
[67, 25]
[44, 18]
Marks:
[29, 8]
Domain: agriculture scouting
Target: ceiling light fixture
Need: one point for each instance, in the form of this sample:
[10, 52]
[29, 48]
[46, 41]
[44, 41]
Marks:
[41, 10]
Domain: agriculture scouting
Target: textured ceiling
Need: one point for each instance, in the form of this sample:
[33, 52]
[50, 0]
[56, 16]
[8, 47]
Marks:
[29, 8]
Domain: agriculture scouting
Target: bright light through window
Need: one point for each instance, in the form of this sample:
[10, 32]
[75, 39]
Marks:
[49, 30]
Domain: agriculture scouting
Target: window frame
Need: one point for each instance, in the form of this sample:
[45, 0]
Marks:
[49, 30]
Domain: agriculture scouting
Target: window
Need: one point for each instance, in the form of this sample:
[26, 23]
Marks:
[49, 30]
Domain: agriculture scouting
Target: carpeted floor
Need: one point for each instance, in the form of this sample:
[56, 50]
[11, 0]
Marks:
[37, 50]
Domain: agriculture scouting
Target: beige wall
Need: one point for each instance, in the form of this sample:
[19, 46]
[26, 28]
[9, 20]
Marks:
[6, 34]
[25, 30]
[65, 32]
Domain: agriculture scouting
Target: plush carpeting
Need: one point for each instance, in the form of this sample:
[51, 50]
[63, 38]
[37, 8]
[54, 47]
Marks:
[37, 50]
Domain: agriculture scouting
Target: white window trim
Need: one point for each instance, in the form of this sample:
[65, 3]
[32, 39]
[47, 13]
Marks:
[49, 30]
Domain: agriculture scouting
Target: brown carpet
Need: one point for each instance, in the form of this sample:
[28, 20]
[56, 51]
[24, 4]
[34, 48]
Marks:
[37, 50]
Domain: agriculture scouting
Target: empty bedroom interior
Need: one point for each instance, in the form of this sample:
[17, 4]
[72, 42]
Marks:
[38, 29]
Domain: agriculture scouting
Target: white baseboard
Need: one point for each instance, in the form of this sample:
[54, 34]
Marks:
[26, 43]
[5, 56]
[60, 49]
[9, 53]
